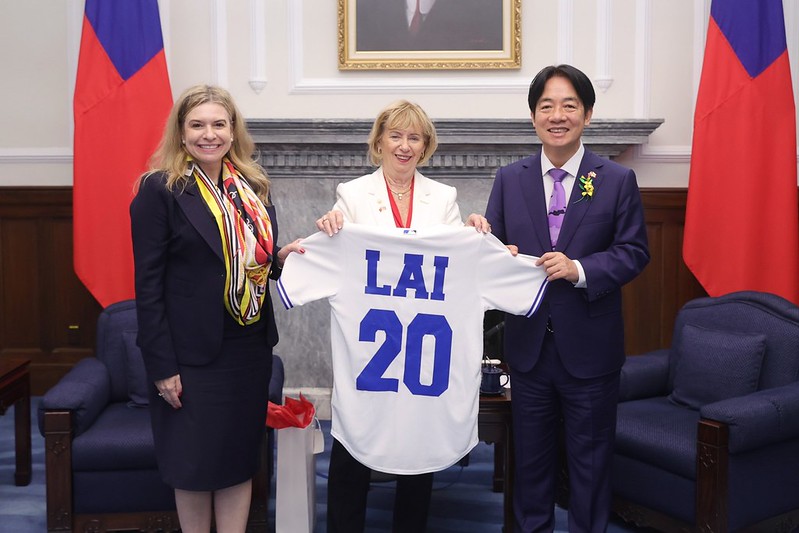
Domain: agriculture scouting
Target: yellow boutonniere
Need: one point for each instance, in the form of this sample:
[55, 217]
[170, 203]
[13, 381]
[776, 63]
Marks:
[587, 186]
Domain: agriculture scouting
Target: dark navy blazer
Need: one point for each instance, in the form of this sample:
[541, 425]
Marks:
[180, 278]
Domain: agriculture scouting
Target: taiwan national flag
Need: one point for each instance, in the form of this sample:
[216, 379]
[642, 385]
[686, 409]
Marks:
[741, 221]
[122, 99]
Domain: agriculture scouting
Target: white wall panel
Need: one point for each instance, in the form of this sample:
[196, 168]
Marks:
[278, 57]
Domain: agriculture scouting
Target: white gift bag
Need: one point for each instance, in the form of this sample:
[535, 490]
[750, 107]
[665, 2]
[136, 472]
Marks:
[295, 498]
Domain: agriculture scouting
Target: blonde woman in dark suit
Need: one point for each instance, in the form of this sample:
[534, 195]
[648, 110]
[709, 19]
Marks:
[204, 242]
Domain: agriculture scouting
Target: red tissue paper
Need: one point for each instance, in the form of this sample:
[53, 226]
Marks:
[292, 414]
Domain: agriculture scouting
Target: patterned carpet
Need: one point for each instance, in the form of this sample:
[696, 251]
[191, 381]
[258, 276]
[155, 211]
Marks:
[463, 501]
[22, 509]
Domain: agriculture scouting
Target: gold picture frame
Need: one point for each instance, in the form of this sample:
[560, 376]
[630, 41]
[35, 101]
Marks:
[453, 34]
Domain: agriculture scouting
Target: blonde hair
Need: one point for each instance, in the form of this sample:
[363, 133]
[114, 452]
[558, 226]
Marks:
[401, 115]
[170, 156]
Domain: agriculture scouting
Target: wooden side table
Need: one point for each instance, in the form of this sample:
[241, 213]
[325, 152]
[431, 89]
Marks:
[15, 389]
[494, 425]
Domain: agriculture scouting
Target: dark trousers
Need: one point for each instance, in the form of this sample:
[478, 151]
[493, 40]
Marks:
[347, 488]
[542, 398]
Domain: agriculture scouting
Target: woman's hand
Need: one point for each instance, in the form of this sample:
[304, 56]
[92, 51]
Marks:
[330, 222]
[479, 223]
[284, 251]
[170, 390]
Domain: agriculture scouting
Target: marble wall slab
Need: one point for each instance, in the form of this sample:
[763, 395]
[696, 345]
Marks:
[307, 159]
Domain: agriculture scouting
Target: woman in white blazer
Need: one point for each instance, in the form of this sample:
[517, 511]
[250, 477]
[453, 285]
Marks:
[396, 194]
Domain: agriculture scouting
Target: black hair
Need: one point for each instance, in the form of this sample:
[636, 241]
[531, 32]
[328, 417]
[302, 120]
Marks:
[580, 82]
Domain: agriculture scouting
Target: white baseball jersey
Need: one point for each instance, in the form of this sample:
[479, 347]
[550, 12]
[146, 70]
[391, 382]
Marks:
[407, 310]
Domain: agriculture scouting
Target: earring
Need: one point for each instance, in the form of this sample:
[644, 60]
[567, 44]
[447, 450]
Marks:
[183, 141]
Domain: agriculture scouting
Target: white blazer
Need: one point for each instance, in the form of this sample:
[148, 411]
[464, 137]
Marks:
[365, 200]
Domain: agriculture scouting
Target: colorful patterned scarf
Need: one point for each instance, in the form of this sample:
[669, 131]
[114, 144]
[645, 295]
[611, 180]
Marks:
[246, 233]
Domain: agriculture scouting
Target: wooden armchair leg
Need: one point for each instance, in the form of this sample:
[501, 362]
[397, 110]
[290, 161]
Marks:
[712, 457]
[58, 469]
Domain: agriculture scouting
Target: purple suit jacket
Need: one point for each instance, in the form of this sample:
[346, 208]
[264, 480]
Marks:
[606, 233]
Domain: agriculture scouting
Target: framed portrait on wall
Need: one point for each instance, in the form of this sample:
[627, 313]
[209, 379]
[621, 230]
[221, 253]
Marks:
[429, 34]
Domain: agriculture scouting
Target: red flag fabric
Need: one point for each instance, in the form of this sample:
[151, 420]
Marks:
[741, 221]
[122, 100]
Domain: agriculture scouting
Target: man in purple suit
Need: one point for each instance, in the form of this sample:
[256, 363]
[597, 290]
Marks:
[582, 215]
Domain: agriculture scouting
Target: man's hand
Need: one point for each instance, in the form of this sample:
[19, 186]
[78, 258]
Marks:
[558, 266]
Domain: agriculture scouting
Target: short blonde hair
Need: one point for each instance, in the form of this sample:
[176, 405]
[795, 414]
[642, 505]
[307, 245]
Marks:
[171, 154]
[401, 115]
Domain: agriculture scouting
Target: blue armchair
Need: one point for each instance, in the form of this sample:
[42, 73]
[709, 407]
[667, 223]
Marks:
[101, 471]
[707, 437]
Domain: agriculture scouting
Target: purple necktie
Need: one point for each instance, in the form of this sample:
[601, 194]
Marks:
[557, 204]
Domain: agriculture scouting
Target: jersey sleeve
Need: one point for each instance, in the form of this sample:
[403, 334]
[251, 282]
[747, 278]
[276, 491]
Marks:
[511, 284]
[313, 275]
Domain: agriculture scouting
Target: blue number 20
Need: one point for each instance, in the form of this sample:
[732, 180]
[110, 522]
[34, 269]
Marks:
[372, 377]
